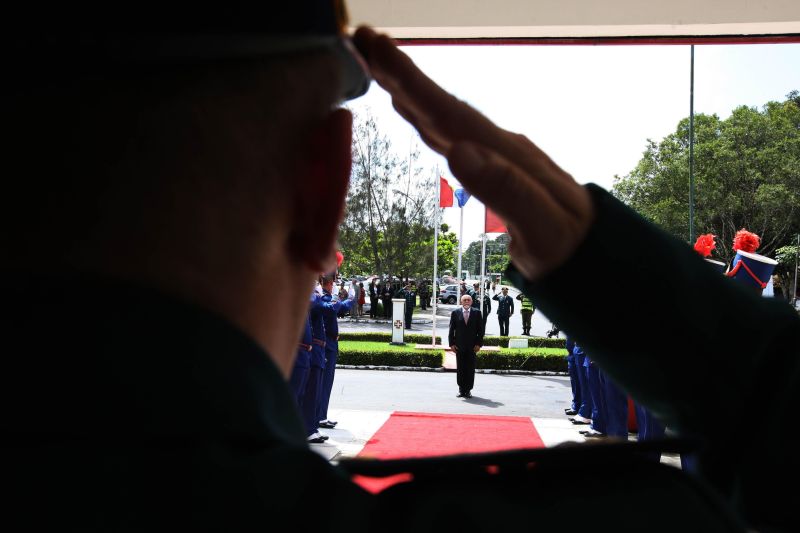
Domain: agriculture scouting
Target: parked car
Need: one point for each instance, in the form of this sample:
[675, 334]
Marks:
[449, 294]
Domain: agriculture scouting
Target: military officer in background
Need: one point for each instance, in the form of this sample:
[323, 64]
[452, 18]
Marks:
[474, 293]
[505, 308]
[423, 295]
[526, 309]
[410, 297]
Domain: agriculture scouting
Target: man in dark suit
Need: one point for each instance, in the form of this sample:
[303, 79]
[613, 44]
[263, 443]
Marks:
[505, 308]
[466, 338]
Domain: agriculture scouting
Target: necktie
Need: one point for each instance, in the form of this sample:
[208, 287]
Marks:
[466, 316]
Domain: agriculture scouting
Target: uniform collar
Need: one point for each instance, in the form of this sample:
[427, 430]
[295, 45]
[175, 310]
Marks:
[99, 357]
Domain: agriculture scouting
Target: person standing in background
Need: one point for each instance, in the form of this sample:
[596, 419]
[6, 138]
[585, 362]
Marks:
[586, 406]
[650, 428]
[362, 298]
[597, 426]
[374, 292]
[410, 297]
[572, 410]
[475, 293]
[423, 295]
[387, 299]
[353, 294]
[302, 365]
[526, 310]
[487, 307]
[505, 308]
[313, 388]
[329, 308]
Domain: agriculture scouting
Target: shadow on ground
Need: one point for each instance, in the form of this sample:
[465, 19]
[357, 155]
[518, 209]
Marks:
[486, 402]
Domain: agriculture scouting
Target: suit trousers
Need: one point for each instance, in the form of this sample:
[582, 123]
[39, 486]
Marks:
[574, 382]
[586, 407]
[298, 381]
[526, 320]
[598, 398]
[650, 428]
[503, 321]
[616, 404]
[310, 405]
[326, 387]
[465, 368]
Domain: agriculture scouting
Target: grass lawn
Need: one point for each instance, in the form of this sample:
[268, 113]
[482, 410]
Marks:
[363, 346]
[532, 351]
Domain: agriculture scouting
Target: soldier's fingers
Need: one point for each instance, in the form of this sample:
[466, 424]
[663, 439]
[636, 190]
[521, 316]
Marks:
[446, 119]
[426, 104]
[547, 232]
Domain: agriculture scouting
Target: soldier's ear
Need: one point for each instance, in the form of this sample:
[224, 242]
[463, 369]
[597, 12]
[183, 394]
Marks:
[320, 192]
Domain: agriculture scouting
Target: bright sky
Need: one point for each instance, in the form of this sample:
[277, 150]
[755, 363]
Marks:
[591, 108]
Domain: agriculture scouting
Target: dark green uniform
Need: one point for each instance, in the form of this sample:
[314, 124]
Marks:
[170, 417]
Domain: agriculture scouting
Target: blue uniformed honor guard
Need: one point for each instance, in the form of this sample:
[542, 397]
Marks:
[329, 307]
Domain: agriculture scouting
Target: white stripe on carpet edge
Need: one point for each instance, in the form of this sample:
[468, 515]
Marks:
[555, 431]
[352, 432]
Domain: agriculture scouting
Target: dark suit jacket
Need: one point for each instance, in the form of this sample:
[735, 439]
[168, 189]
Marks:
[505, 307]
[465, 336]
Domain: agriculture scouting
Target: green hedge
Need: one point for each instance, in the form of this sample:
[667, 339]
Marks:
[533, 342]
[515, 360]
[385, 336]
[416, 358]
[417, 338]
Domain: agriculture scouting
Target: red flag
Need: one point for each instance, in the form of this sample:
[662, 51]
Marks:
[445, 193]
[493, 224]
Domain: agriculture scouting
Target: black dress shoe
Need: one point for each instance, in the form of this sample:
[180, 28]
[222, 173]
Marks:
[570, 412]
[592, 434]
[468, 395]
[460, 395]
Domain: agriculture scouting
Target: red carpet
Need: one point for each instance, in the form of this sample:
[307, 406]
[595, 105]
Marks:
[407, 435]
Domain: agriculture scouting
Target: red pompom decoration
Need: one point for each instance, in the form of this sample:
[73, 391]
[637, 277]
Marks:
[746, 241]
[339, 258]
[705, 243]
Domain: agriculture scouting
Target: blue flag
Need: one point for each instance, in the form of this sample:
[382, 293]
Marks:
[462, 195]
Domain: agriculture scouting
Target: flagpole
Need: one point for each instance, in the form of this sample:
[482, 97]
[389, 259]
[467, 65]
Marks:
[435, 288]
[483, 269]
[460, 240]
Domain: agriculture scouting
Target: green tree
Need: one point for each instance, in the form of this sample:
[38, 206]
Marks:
[496, 255]
[447, 249]
[747, 175]
[787, 269]
[389, 214]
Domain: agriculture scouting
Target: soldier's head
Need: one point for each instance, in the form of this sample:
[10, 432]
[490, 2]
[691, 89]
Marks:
[181, 159]
[466, 301]
[504, 291]
[326, 281]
